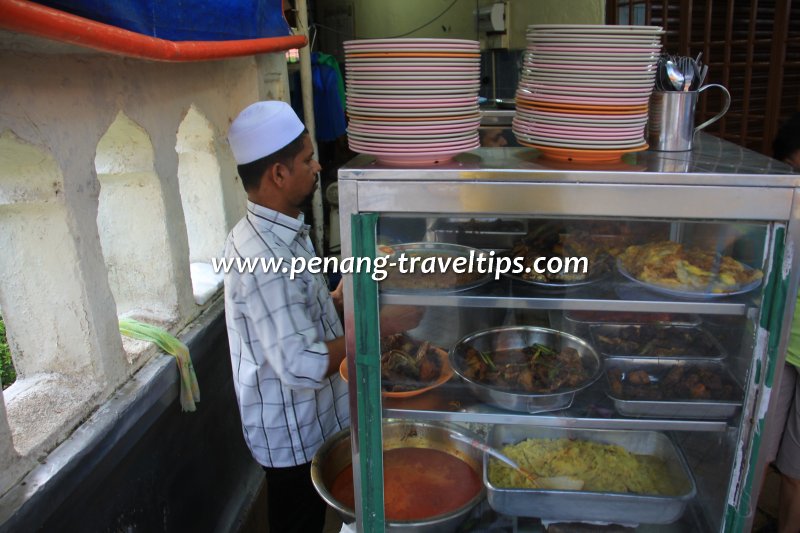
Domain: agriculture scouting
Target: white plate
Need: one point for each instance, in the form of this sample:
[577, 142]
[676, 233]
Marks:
[593, 66]
[415, 60]
[412, 98]
[640, 60]
[580, 122]
[380, 99]
[410, 113]
[544, 99]
[362, 66]
[411, 84]
[418, 69]
[593, 49]
[606, 40]
[582, 81]
[400, 149]
[459, 104]
[355, 78]
[567, 73]
[412, 137]
[576, 126]
[546, 85]
[354, 51]
[581, 145]
[588, 137]
[536, 91]
[585, 29]
[609, 121]
[409, 139]
[409, 92]
[444, 122]
[411, 129]
[399, 104]
[607, 59]
[400, 109]
[579, 135]
[412, 40]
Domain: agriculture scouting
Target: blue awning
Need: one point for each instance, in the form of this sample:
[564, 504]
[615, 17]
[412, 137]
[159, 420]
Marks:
[185, 20]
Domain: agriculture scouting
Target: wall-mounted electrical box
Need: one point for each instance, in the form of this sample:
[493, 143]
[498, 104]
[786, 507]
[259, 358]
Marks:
[492, 25]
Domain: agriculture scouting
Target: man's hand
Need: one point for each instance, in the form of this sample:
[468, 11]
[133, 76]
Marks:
[399, 318]
[338, 297]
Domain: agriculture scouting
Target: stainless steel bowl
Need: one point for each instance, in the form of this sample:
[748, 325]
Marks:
[335, 455]
[519, 337]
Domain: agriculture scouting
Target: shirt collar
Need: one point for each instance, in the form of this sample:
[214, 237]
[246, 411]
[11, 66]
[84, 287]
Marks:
[284, 226]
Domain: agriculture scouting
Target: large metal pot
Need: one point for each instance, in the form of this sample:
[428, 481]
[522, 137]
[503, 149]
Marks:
[335, 455]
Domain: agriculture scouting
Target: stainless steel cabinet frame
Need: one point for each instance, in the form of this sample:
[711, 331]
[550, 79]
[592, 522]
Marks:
[717, 185]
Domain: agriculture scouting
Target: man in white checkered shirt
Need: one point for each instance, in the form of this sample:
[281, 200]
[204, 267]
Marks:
[286, 338]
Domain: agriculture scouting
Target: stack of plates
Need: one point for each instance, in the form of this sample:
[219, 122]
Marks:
[412, 101]
[584, 90]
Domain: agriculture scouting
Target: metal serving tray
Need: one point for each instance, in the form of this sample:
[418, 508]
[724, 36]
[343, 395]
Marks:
[616, 330]
[616, 507]
[705, 409]
[571, 321]
[479, 232]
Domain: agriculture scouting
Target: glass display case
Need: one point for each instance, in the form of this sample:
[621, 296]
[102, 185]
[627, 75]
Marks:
[657, 346]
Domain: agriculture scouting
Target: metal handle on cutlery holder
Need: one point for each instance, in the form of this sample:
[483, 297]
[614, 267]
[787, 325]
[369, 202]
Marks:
[724, 107]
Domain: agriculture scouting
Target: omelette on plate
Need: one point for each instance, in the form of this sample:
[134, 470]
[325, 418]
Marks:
[672, 265]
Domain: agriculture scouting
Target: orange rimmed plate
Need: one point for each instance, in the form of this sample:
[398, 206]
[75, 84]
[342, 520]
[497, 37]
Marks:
[583, 156]
[578, 108]
[437, 118]
[444, 376]
[411, 54]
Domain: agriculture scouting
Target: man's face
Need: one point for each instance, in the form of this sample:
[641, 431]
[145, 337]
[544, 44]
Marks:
[303, 174]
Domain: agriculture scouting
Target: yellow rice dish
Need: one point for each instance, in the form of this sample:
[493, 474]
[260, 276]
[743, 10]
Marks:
[602, 467]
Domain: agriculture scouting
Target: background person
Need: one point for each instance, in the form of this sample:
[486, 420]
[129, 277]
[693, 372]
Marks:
[286, 338]
[785, 444]
[492, 137]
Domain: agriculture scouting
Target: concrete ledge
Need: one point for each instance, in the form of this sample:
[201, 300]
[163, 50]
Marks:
[106, 439]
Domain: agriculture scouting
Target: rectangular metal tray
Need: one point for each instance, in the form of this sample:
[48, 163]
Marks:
[616, 330]
[585, 505]
[469, 232]
[571, 321]
[678, 408]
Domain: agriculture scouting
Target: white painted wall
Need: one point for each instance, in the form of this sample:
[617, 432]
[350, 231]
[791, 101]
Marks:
[202, 193]
[91, 173]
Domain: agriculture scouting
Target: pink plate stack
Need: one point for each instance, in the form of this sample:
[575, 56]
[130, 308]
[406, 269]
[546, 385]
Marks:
[584, 90]
[412, 101]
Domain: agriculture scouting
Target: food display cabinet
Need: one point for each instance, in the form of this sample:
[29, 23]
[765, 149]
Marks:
[677, 369]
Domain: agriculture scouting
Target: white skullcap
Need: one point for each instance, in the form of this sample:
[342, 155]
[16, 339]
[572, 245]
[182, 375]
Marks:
[261, 129]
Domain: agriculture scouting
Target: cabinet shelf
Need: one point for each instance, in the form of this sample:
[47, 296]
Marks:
[591, 409]
[521, 301]
[489, 415]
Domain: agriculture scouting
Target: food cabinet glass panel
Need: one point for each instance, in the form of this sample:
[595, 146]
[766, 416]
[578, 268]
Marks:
[571, 344]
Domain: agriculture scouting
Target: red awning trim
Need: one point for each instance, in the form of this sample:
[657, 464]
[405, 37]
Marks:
[35, 19]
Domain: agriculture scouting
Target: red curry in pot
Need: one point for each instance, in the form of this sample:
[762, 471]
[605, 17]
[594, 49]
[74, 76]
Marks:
[418, 483]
